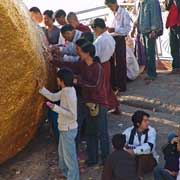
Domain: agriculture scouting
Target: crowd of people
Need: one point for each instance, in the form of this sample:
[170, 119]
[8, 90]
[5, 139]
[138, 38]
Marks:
[93, 64]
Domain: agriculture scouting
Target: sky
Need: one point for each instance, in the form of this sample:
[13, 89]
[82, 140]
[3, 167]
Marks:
[67, 5]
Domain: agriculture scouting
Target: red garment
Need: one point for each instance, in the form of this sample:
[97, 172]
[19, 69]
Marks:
[83, 28]
[91, 79]
[173, 17]
[112, 99]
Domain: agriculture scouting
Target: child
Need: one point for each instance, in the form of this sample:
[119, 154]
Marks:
[120, 165]
[67, 124]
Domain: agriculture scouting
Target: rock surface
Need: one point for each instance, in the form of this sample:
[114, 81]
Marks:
[21, 63]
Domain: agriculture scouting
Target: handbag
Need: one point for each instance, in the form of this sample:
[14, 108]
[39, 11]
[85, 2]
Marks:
[93, 109]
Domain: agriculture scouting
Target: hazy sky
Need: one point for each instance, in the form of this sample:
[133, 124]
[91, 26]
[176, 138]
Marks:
[67, 5]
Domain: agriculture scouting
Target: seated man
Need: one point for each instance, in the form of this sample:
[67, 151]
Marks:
[60, 17]
[171, 157]
[141, 142]
[120, 165]
[73, 20]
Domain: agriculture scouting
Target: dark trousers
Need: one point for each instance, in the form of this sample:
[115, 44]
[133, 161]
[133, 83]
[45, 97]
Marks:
[149, 45]
[161, 174]
[175, 47]
[118, 64]
[145, 164]
[97, 130]
[53, 119]
[82, 114]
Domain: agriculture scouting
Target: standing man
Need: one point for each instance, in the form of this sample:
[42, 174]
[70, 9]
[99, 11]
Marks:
[120, 28]
[70, 35]
[173, 22]
[73, 20]
[150, 25]
[36, 16]
[60, 17]
[105, 46]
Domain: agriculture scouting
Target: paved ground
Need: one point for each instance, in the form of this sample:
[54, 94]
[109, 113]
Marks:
[161, 99]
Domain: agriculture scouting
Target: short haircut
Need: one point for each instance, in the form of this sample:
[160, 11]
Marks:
[118, 141]
[110, 2]
[80, 42]
[71, 15]
[49, 13]
[66, 75]
[88, 47]
[98, 22]
[138, 117]
[60, 13]
[67, 27]
[88, 36]
[35, 10]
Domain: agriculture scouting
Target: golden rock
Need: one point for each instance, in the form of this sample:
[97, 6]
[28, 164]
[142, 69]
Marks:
[21, 63]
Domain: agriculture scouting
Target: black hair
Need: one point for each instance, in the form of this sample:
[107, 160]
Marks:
[88, 36]
[71, 14]
[138, 117]
[67, 27]
[98, 22]
[80, 42]
[49, 13]
[35, 10]
[110, 2]
[88, 47]
[66, 75]
[60, 13]
[118, 141]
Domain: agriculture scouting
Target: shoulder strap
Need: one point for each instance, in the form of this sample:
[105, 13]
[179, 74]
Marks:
[131, 138]
[146, 136]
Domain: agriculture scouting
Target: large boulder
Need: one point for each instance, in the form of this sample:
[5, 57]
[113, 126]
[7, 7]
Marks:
[21, 63]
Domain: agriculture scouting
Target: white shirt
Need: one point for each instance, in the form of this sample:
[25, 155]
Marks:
[67, 111]
[61, 40]
[70, 50]
[139, 147]
[105, 46]
[132, 64]
[121, 22]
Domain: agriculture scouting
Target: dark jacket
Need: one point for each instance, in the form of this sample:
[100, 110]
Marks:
[120, 166]
[91, 79]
